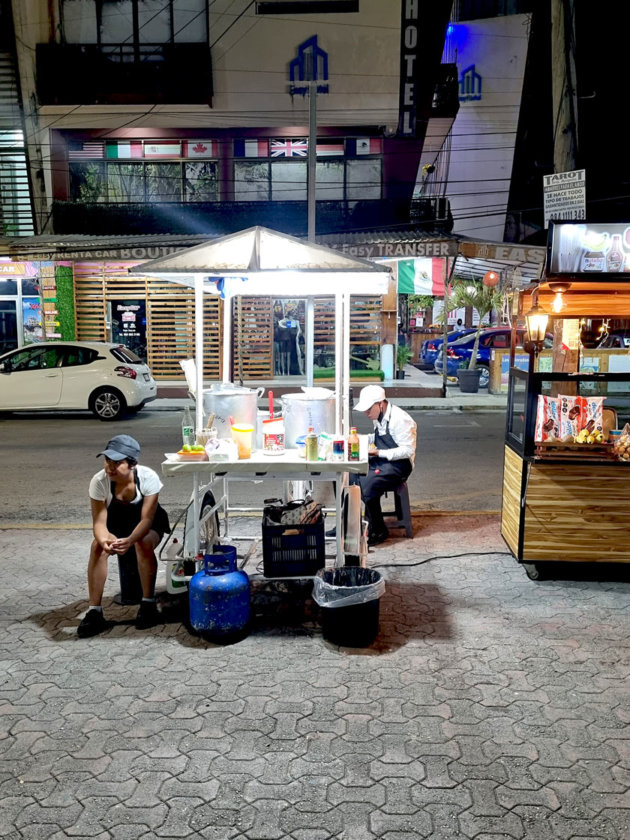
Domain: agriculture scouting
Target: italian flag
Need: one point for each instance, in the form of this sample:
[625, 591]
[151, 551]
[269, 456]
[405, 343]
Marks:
[124, 151]
[422, 276]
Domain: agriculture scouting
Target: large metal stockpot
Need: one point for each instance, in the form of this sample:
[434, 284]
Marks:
[226, 400]
[303, 410]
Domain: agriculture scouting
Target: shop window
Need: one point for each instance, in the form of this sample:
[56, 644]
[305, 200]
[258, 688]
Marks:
[251, 181]
[163, 181]
[363, 179]
[288, 181]
[329, 181]
[201, 181]
[87, 182]
[125, 182]
[134, 22]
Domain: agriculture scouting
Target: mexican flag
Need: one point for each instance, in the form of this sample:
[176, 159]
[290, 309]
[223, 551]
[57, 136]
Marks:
[421, 276]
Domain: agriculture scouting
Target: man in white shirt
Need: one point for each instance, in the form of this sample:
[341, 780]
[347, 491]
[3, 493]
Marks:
[392, 452]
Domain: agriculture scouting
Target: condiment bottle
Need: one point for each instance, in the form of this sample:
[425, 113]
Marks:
[353, 445]
[188, 429]
[615, 256]
[311, 448]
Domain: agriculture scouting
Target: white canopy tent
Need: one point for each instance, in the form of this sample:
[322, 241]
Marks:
[259, 261]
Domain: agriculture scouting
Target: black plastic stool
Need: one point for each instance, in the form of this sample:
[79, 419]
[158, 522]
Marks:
[402, 510]
[130, 584]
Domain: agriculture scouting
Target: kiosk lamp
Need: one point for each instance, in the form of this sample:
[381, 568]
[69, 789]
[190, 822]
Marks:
[536, 321]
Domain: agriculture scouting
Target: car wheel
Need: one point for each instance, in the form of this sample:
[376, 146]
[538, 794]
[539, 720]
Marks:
[484, 377]
[108, 404]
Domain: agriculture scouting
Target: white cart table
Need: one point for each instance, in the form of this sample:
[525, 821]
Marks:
[289, 466]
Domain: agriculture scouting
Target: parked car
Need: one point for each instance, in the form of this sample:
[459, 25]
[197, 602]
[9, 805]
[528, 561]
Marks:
[614, 339]
[492, 338]
[108, 379]
[430, 348]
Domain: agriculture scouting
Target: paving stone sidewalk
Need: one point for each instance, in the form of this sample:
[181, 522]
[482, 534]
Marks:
[489, 707]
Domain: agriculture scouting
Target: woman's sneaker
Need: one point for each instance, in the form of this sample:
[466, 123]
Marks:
[94, 622]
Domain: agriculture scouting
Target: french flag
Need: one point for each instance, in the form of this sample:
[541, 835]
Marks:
[251, 148]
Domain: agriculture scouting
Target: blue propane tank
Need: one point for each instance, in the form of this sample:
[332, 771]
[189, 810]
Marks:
[219, 595]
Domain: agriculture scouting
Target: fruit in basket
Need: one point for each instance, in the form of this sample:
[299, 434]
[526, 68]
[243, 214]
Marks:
[621, 446]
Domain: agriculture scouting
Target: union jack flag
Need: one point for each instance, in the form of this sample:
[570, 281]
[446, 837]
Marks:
[289, 148]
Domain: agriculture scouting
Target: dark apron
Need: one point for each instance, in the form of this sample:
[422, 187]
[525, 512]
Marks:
[123, 517]
[390, 473]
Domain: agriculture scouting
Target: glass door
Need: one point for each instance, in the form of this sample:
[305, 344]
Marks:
[289, 340]
[8, 324]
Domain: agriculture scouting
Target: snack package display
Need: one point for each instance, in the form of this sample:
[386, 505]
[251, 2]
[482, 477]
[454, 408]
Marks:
[572, 410]
[547, 419]
[593, 414]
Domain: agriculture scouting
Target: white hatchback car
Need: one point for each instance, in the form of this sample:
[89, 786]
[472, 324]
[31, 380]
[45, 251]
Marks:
[109, 379]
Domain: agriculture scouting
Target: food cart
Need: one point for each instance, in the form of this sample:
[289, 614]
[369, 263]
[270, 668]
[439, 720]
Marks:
[263, 262]
[566, 480]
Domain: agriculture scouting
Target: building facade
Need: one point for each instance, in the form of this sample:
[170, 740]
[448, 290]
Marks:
[184, 118]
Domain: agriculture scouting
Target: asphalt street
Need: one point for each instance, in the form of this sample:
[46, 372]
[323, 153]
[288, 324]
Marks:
[48, 460]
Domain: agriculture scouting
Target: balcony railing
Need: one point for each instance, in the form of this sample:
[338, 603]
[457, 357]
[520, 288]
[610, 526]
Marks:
[119, 74]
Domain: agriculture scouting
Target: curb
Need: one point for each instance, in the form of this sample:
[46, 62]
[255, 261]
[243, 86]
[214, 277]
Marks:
[406, 406]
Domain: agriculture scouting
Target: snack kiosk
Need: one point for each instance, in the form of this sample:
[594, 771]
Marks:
[566, 480]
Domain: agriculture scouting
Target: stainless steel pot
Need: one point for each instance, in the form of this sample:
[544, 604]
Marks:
[301, 411]
[227, 400]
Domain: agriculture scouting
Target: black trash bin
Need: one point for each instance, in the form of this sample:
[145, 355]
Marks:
[350, 600]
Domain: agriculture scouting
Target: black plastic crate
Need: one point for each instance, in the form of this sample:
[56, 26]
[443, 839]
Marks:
[293, 550]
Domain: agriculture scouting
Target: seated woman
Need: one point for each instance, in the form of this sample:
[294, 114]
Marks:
[125, 513]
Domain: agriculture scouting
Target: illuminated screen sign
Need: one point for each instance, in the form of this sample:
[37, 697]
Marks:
[592, 250]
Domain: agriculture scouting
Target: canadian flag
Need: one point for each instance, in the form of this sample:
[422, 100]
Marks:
[199, 149]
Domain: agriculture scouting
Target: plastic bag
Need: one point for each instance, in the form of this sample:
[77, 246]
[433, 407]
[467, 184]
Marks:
[347, 586]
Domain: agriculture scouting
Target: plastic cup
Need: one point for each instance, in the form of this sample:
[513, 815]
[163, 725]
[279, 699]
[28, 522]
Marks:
[242, 436]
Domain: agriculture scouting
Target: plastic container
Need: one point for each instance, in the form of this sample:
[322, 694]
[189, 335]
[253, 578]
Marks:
[293, 551]
[243, 437]
[273, 436]
[350, 599]
[175, 574]
[219, 596]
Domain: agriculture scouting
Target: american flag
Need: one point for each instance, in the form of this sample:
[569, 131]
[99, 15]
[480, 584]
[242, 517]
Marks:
[83, 151]
[289, 148]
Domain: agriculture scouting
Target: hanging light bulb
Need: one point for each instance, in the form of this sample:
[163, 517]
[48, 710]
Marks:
[559, 289]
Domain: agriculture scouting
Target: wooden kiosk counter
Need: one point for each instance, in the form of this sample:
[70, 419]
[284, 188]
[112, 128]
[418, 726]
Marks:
[566, 481]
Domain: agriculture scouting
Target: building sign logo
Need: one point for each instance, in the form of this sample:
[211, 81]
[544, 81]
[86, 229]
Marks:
[469, 85]
[409, 49]
[310, 64]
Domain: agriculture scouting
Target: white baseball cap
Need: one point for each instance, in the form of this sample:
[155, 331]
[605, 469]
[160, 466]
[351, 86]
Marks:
[369, 395]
